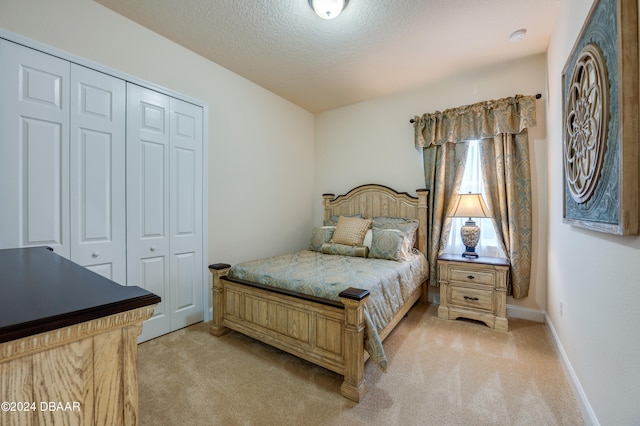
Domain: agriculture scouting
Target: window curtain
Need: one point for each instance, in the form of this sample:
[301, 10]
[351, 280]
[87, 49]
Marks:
[501, 126]
[443, 171]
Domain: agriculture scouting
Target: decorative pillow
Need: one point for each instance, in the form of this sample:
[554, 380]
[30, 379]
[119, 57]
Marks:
[389, 244]
[333, 220]
[408, 227]
[350, 231]
[320, 236]
[345, 250]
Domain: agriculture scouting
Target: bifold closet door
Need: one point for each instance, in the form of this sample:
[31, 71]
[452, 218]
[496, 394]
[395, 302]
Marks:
[108, 174]
[62, 142]
[97, 173]
[185, 212]
[34, 149]
[164, 207]
[148, 256]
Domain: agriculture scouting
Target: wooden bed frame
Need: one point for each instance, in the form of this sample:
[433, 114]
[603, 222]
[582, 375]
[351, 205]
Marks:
[324, 332]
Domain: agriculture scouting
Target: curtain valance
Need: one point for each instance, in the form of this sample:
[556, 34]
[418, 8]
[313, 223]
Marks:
[477, 121]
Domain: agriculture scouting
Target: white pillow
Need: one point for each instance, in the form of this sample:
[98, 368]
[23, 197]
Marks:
[368, 237]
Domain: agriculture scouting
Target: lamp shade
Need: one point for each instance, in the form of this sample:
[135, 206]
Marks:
[328, 9]
[469, 205]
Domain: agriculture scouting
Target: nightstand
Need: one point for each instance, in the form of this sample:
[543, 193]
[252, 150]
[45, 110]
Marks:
[474, 288]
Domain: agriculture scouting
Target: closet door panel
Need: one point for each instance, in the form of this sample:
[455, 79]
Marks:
[148, 255]
[154, 176]
[184, 265]
[98, 210]
[41, 184]
[34, 150]
[186, 213]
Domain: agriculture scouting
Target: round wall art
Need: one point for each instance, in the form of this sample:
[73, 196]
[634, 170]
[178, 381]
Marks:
[586, 122]
[601, 128]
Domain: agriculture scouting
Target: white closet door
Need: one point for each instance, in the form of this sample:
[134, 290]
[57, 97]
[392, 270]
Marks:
[34, 150]
[186, 213]
[148, 258]
[97, 173]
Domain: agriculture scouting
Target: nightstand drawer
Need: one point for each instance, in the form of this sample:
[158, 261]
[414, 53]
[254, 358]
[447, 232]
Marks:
[472, 276]
[472, 298]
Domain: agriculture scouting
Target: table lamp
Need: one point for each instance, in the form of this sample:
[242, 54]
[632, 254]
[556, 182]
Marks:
[470, 206]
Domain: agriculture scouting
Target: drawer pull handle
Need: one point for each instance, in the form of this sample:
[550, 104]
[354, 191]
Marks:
[471, 277]
[473, 299]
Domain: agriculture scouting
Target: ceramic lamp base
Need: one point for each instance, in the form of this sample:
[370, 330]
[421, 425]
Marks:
[469, 252]
[470, 234]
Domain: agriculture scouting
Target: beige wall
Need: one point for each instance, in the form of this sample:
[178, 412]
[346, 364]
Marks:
[596, 275]
[372, 142]
[253, 134]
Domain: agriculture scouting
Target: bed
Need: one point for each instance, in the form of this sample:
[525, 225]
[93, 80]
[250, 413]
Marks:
[341, 327]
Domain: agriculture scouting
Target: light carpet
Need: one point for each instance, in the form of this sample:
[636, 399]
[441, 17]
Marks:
[440, 373]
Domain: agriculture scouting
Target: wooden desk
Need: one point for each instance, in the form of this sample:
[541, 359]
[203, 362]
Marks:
[68, 342]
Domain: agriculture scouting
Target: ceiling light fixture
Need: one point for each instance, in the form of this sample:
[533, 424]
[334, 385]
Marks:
[518, 35]
[328, 9]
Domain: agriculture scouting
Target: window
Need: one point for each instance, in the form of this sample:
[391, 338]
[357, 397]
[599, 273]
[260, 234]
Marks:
[472, 182]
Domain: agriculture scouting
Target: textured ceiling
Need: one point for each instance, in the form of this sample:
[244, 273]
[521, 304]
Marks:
[374, 48]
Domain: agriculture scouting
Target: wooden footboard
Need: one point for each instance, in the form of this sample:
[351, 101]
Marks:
[326, 333]
[330, 335]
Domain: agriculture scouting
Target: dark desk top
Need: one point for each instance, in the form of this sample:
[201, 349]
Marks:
[42, 291]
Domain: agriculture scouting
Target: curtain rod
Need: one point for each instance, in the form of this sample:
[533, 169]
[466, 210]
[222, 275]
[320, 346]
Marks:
[538, 96]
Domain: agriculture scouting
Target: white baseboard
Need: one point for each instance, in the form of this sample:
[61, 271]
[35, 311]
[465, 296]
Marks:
[588, 414]
[434, 298]
[536, 315]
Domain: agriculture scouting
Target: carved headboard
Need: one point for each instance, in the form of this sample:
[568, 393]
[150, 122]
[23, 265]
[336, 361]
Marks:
[378, 200]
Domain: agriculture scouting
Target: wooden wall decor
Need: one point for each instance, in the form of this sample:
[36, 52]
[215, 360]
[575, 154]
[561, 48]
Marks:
[600, 121]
